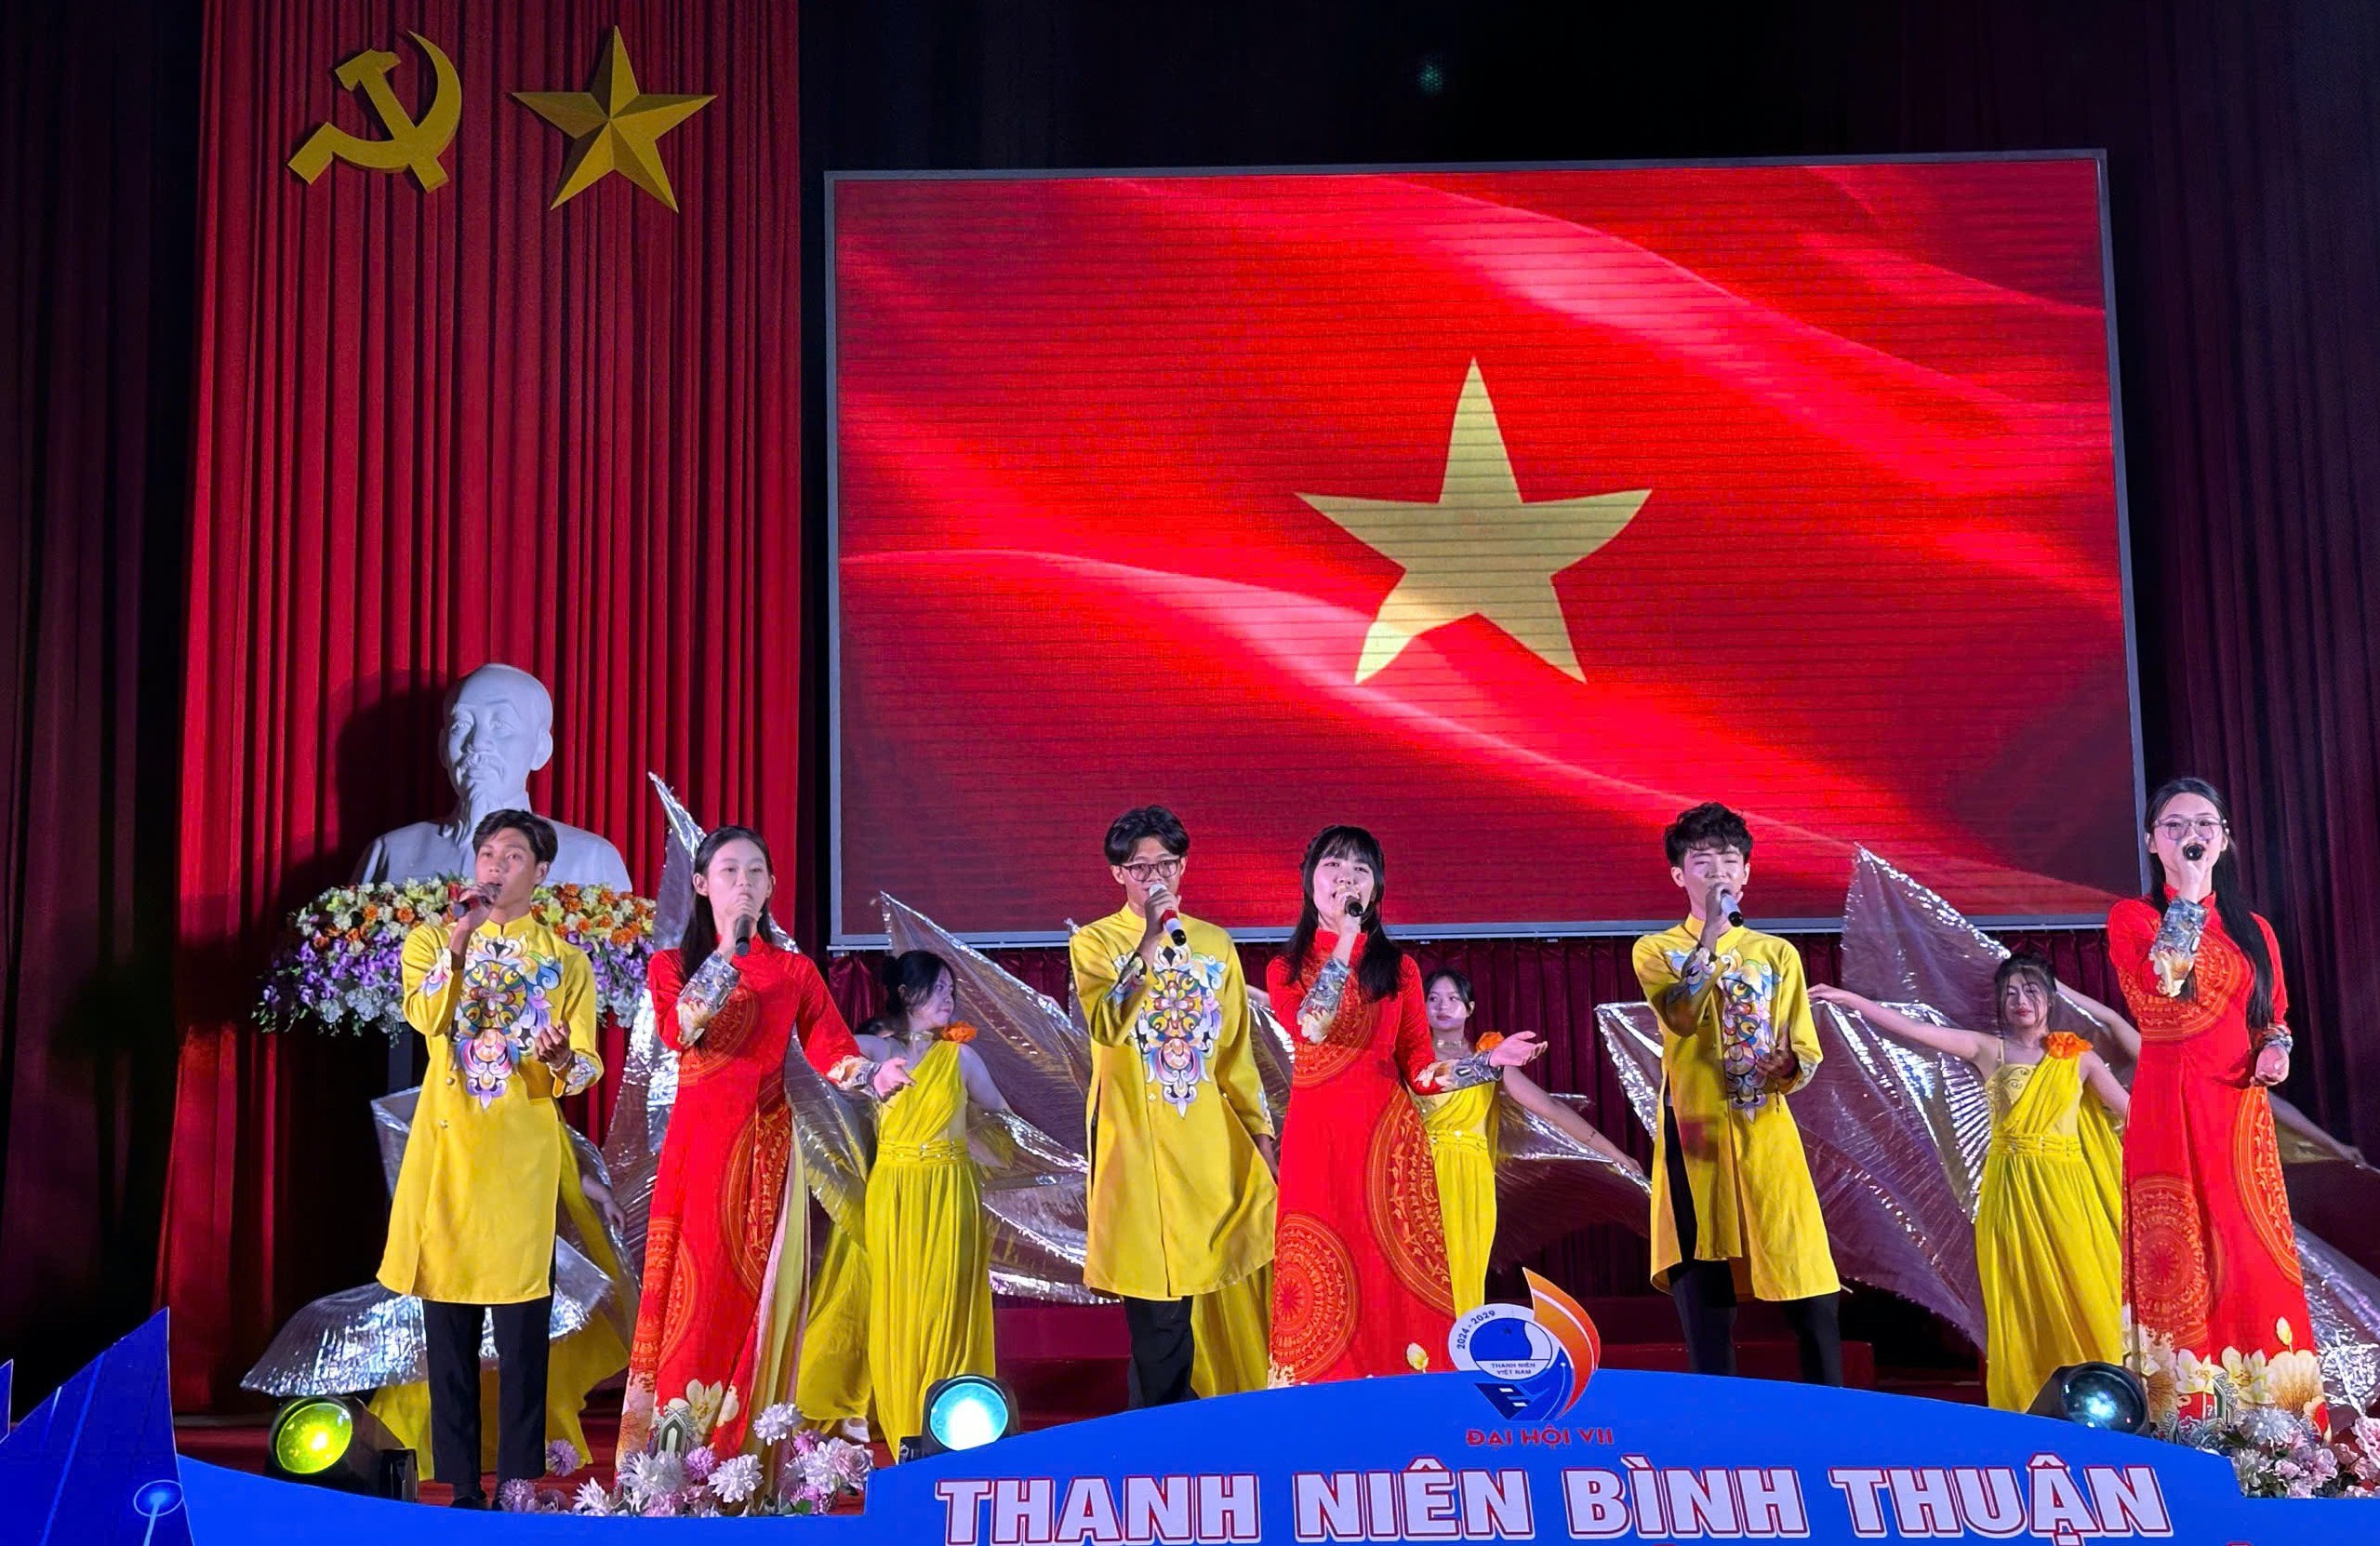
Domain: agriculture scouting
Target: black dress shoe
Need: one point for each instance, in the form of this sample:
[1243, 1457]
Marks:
[469, 1501]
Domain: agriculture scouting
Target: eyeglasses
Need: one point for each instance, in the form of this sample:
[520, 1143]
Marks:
[1148, 870]
[2175, 828]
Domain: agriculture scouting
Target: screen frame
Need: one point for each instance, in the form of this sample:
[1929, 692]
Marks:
[842, 936]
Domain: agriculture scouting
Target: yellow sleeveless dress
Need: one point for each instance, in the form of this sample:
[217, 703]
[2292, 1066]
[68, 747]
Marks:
[1462, 1148]
[928, 1248]
[2048, 1226]
[831, 1384]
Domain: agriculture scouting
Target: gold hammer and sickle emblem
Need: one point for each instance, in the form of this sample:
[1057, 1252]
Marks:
[409, 145]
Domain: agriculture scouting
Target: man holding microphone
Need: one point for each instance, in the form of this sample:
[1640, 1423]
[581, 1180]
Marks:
[509, 1010]
[1181, 1146]
[1734, 1208]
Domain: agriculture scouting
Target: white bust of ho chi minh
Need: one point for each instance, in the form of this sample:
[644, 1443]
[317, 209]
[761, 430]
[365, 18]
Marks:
[500, 729]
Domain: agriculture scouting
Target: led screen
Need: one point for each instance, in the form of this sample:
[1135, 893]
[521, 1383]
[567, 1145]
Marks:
[1504, 512]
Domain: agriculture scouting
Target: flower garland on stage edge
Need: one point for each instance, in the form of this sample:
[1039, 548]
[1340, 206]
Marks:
[341, 966]
[815, 1476]
[2277, 1453]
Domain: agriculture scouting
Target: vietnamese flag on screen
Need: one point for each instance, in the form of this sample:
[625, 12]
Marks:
[1506, 513]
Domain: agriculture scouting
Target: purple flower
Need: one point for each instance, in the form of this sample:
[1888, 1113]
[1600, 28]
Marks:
[699, 1463]
[517, 1496]
[561, 1457]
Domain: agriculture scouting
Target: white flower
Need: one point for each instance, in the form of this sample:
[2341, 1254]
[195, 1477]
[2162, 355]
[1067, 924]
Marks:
[737, 1479]
[775, 1423]
[592, 1498]
[653, 1476]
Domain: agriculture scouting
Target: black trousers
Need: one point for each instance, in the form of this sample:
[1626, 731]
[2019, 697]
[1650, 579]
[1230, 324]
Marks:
[1705, 1292]
[1162, 1351]
[522, 1348]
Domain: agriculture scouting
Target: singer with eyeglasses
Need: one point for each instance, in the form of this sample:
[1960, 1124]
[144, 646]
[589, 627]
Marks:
[1181, 1143]
[471, 1227]
[2211, 1268]
[1734, 1208]
[725, 1269]
[1361, 1282]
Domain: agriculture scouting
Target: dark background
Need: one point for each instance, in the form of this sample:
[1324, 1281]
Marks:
[2244, 144]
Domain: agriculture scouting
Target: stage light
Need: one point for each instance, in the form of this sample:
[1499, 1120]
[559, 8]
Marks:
[966, 1411]
[2094, 1395]
[333, 1442]
[310, 1437]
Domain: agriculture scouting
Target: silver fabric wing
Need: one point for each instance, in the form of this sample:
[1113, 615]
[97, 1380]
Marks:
[1038, 1056]
[648, 1089]
[675, 895]
[837, 1136]
[1035, 1170]
[364, 1338]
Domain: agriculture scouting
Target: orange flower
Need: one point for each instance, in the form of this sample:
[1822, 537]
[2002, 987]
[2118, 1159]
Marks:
[959, 1031]
[1488, 1041]
[405, 915]
[370, 912]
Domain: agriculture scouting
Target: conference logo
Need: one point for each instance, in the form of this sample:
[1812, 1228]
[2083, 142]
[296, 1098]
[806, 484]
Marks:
[1535, 1359]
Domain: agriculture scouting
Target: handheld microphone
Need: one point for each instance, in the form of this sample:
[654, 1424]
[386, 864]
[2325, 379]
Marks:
[1169, 918]
[1731, 908]
[467, 899]
[2194, 850]
[743, 937]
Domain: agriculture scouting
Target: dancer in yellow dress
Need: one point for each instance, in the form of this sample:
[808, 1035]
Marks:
[928, 1243]
[831, 1390]
[2048, 1230]
[1462, 1126]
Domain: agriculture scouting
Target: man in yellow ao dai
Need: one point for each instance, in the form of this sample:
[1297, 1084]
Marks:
[1734, 1208]
[509, 1010]
[1181, 1188]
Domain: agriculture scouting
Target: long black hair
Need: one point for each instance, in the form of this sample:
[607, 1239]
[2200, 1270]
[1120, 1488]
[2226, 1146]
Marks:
[2231, 896]
[702, 935]
[1383, 957]
[908, 981]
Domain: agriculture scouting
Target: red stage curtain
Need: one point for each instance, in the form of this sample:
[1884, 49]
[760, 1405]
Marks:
[1551, 987]
[439, 427]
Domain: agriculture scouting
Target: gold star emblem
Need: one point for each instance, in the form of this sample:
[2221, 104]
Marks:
[613, 128]
[1479, 550]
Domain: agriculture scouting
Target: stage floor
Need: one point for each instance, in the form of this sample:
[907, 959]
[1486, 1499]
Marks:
[1067, 1364]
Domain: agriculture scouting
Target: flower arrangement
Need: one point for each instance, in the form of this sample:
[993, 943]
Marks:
[813, 1475]
[2279, 1454]
[341, 966]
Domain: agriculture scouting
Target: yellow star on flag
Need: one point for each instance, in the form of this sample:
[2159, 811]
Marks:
[613, 128]
[1479, 551]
